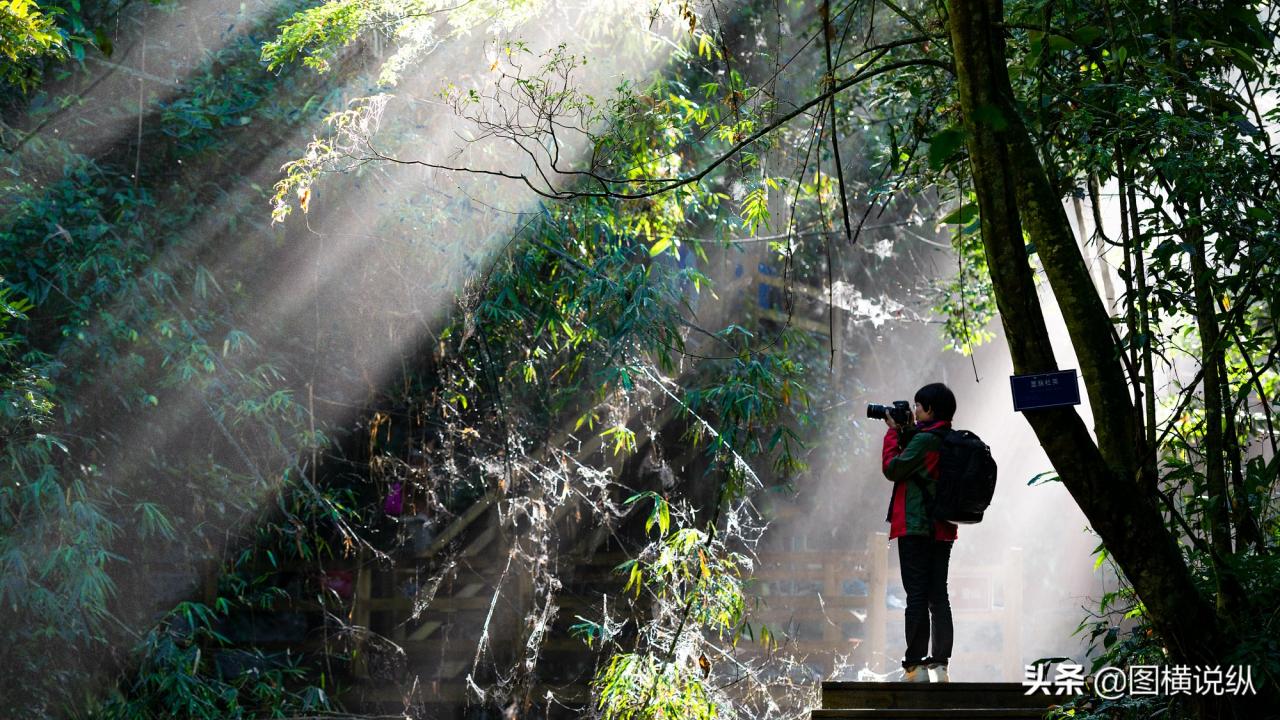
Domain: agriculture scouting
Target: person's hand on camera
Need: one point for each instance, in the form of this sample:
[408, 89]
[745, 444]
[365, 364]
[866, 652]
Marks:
[893, 424]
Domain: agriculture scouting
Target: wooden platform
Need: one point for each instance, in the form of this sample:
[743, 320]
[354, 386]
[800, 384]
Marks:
[917, 701]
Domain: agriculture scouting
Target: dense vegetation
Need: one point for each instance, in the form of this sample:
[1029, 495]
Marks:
[208, 383]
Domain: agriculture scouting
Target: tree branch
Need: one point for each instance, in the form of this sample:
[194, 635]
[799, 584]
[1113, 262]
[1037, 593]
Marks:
[664, 186]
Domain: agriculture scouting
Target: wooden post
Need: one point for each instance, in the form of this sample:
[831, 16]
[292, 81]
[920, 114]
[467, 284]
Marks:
[1013, 666]
[209, 590]
[360, 612]
[400, 577]
[878, 552]
[831, 582]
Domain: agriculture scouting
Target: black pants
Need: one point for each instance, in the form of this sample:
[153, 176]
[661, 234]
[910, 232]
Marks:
[924, 564]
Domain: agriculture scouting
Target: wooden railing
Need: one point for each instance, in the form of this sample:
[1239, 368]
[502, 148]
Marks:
[832, 603]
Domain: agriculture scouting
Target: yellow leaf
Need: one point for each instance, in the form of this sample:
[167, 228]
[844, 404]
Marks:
[304, 198]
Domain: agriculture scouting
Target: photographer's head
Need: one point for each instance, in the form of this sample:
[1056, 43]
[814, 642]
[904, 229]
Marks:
[935, 401]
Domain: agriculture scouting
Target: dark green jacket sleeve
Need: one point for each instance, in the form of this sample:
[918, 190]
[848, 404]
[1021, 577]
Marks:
[911, 459]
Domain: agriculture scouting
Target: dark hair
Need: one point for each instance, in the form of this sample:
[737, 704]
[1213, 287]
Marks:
[938, 399]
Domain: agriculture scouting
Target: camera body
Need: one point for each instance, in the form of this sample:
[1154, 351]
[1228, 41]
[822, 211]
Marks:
[900, 411]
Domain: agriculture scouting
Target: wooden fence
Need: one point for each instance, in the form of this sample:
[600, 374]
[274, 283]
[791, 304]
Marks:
[833, 604]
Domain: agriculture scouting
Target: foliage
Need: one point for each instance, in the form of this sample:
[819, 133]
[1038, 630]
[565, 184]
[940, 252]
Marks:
[142, 330]
[172, 682]
[966, 301]
[1176, 124]
[105, 330]
[117, 325]
[25, 33]
[1067, 58]
[316, 35]
[590, 300]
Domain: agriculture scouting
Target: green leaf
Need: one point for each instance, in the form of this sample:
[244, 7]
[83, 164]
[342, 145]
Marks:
[103, 41]
[1060, 42]
[961, 215]
[755, 208]
[1088, 34]
[943, 145]
[658, 247]
[1044, 477]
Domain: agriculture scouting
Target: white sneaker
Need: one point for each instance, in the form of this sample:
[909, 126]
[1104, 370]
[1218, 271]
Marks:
[916, 674]
[938, 672]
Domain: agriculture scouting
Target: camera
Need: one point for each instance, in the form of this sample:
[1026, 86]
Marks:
[900, 411]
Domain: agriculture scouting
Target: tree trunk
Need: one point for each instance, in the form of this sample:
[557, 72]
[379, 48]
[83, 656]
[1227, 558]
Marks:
[1217, 514]
[1247, 532]
[1149, 449]
[1011, 186]
[1088, 321]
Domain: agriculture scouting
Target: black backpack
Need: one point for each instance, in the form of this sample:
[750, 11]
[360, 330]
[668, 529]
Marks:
[967, 478]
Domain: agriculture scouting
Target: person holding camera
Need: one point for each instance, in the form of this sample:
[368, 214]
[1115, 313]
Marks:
[911, 460]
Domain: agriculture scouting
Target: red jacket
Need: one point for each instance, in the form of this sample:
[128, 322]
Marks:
[909, 464]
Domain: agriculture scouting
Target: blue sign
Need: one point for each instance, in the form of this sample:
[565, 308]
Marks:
[1044, 390]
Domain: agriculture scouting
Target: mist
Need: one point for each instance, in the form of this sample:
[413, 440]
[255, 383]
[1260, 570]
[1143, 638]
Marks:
[1027, 569]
